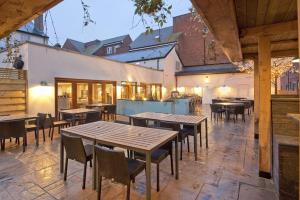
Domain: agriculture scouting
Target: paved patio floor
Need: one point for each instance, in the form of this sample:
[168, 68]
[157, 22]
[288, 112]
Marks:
[227, 170]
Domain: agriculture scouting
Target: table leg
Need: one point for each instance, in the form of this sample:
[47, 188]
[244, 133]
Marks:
[206, 134]
[148, 175]
[37, 132]
[176, 159]
[195, 141]
[200, 129]
[61, 156]
[94, 175]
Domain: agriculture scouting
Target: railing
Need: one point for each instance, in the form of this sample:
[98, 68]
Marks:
[14, 74]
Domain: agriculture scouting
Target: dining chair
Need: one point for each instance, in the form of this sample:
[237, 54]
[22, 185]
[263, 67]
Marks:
[14, 129]
[113, 164]
[57, 123]
[35, 125]
[110, 111]
[75, 150]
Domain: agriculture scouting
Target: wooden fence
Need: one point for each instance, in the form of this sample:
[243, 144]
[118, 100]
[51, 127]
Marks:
[13, 90]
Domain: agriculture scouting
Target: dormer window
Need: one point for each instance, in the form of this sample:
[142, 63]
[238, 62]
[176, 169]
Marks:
[109, 50]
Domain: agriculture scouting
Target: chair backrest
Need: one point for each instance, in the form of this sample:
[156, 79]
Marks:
[239, 109]
[74, 148]
[92, 117]
[139, 122]
[215, 107]
[112, 164]
[67, 116]
[14, 129]
[169, 125]
[111, 109]
[42, 119]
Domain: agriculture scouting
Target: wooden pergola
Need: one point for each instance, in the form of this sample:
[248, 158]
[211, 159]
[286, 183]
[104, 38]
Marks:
[258, 30]
[15, 13]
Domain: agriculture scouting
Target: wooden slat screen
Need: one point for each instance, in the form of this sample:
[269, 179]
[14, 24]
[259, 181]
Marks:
[13, 89]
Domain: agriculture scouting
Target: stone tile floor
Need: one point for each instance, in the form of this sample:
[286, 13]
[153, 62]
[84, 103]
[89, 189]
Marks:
[227, 170]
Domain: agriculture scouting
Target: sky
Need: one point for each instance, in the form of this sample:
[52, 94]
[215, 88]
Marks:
[113, 18]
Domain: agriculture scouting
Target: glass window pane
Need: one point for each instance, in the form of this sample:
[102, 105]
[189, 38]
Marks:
[109, 93]
[97, 93]
[64, 96]
[82, 94]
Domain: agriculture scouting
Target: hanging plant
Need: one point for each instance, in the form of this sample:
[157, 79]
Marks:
[12, 49]
[157, 10]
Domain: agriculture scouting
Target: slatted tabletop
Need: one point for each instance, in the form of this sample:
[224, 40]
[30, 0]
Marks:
[77, 111]
[229, 104]
[182, 119]
[126, 136]
[9, 118]
[98, 105]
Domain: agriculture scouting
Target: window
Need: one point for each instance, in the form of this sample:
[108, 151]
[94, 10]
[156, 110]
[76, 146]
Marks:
[97, 93]
[82, 94]
[109, 50]
[178, 66]
[116, 48]
[128, 90]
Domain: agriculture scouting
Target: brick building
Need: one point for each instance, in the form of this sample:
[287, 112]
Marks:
[191, 43]
[106, 47]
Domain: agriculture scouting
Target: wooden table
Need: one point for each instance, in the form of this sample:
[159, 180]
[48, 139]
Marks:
[140, 139]
[229, 104]
[10, 118]
[192, 120]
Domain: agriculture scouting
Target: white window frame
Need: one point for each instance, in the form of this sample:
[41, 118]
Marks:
[109, 50]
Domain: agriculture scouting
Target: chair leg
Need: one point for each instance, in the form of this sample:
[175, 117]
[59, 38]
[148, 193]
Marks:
[188, 143]
[84, 175]
[44, 135]
[91, 163]
[52, 133]
[49, 134]
[66, 169]
[128, 191]
[99, 187]
[157, 177]
[24, 142]
[181, 150]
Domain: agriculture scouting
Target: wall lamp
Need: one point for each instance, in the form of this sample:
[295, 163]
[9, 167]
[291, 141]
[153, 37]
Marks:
[43, 83]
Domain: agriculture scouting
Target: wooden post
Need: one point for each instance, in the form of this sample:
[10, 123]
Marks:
[298, 5]
[264, 67]
[256, 99]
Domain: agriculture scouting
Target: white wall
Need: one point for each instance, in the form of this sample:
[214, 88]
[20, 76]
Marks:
[218, 85]
[169, 79]
[151, 63]
[46, 63]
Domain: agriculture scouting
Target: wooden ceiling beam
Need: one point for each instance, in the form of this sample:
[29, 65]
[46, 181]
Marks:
[16, 13]
[274, 54]
[279, 42]
[220, 18]
[269, 30]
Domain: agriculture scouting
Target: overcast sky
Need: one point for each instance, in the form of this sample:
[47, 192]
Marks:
[113, 18]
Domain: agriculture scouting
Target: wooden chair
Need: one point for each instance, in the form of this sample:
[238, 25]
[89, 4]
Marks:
[75, 150]
[14, 129]
[59, 124]
[110, 111]
[39, 123]
[113, 164]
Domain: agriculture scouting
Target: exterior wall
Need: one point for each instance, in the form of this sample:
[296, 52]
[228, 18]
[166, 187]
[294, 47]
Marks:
[191, 43]
[45, 63]
[22, 37]
[217, 85]
[169, 79]
[152, 63]
[124, 47]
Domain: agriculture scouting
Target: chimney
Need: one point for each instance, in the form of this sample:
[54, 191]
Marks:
[39, 24]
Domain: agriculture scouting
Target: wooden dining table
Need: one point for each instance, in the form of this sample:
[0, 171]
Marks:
[139, 139]
[98, 105]
[192, 120]
[10, 118]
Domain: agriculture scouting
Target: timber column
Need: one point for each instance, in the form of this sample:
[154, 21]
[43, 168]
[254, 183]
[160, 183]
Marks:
[264, 68]
[256, 99]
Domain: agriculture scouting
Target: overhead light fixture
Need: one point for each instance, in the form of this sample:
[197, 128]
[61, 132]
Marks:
[295, 60]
